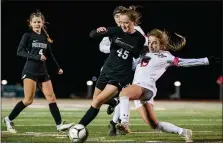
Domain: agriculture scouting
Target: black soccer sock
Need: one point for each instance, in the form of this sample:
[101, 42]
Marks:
[89, 116]
[112, 102]
[55, 113]
[17, 109]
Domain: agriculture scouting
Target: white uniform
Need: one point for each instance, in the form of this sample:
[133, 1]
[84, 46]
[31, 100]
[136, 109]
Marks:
[150, 70]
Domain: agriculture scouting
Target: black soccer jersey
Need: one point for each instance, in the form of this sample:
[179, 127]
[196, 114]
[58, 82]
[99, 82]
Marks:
[124, 46]
[32, 46]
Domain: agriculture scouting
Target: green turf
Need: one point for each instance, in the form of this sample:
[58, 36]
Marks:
[37, 125]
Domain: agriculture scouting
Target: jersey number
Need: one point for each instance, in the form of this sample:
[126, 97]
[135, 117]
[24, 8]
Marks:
[41, 52]
[122, 54]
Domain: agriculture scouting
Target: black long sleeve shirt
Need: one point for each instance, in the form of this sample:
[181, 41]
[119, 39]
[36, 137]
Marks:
[124, 46]
[32, 46]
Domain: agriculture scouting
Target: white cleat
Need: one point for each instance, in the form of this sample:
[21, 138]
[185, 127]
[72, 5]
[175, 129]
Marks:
[63, 127]
[187, 135]
[10, 125]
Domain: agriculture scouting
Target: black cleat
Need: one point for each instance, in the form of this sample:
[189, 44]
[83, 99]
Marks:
[111, 108]
[112, 128]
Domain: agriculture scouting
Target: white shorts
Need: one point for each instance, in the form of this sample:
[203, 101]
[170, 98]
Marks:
[148, 96]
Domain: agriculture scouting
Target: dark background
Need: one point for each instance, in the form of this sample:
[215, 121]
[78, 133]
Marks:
[80, 58]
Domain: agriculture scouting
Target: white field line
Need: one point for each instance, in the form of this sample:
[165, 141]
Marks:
[53, 134]
[22, 125]
[56, 134]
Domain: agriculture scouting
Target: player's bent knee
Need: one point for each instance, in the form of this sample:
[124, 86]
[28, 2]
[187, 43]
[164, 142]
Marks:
[27, 102]
[51, 98]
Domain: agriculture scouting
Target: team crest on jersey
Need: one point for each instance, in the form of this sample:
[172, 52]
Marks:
[160, 55]
[145, 61]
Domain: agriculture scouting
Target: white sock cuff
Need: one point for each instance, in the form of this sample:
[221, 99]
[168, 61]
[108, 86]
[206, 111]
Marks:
[123, 97]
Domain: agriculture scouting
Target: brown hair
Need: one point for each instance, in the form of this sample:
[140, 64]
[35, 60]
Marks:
[39, 14]
[132, 13]
[165, 41]
[118, 9]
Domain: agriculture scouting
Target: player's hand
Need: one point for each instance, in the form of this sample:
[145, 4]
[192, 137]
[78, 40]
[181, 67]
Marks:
[60, 72]
[213, 60]
[101, 30]
[43, 58]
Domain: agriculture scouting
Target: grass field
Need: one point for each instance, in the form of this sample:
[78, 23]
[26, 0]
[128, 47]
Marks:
[36, 125]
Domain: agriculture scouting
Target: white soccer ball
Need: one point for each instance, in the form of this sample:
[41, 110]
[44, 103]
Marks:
[78, 133]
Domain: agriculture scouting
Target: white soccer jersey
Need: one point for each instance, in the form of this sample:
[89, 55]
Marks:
[152, 66]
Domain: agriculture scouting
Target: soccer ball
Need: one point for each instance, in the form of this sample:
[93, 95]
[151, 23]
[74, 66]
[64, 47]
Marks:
[78, 133]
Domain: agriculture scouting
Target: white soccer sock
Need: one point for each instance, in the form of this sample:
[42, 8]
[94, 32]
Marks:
[170, 128]
[124, 109]
[116, 114]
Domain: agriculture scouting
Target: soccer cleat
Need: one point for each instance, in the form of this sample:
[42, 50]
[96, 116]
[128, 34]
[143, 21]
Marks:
[112, 128]
[111, 108]
[187, 135]
[63, 127]
[10, 125]
[123, 128]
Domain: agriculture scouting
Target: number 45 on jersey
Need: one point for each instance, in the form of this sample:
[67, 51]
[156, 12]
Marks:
[123, 53]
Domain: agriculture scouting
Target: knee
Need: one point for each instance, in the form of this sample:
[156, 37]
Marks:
[97, 103]
[124, 92]
[27, 102]
[51, 98]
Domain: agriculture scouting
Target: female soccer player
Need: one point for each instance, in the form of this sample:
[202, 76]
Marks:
[117, 70]
[150, 68]
[35, 47]
[104, 47]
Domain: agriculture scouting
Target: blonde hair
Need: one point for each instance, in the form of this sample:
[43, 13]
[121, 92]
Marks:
[165, 41]
[39, 14]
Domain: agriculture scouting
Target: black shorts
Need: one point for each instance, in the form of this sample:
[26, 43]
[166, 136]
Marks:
[120, 83]
[38, 78]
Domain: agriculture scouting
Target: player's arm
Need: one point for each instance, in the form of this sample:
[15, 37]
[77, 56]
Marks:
[104, 32]
[138, 28]
[135, 61]
[105, 45]
[182, 62]
[21, 51]
[50, 53]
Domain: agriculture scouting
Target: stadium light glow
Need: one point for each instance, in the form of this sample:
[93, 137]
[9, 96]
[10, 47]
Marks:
[89, 83]
[4, 82]
[94, 78]
[177, 83]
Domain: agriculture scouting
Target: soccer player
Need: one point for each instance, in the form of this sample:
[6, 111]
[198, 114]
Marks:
[117, 70]
[150, 68]
[105, 48]
[35, 46]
